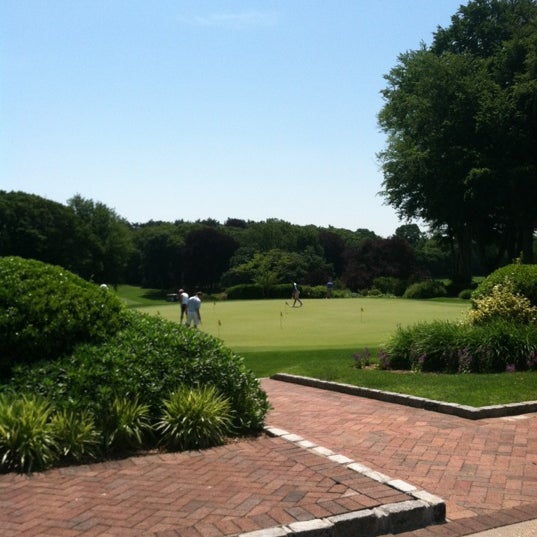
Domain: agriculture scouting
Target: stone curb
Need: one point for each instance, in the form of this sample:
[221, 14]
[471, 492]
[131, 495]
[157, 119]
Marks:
[462, 411]
[425, 509]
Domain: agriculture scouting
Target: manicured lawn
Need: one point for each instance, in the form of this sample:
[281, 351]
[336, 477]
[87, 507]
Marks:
[271, 325]
[319, 341]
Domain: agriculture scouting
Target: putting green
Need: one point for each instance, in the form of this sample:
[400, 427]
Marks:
[259, 325]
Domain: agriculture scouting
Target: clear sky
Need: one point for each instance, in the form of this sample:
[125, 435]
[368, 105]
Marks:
[193, 109]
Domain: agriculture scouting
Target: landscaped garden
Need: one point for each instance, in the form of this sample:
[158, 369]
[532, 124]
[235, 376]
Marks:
[89, 374]
[84, 378]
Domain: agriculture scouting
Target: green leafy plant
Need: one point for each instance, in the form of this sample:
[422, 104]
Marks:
[125, 425]
[46, 311]
[146, 360]
[522, 277]
[75, 435]
[502, 302]
[27, 442]
[195, 418]
[426, 289]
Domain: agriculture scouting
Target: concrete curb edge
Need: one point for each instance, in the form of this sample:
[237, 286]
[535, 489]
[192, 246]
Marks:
[462, 411]
[423, 510]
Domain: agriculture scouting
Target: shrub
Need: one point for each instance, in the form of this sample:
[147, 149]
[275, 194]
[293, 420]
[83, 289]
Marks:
[195, 418]
[389, 285]
[459, 347]
[27, 441]
[503, 302]
[523, 278]
[425, 289]
[245, 291]
[147, 360]
[125, 425]
[45, 311]
[75, 435]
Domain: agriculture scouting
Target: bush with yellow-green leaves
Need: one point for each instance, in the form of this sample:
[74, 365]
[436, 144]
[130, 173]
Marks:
[503, 302]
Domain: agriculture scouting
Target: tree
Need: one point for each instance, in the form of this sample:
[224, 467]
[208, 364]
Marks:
[160, 255]
[459, 143]
[37, 228]
[378, 257]
[109, 236]
[207, 253]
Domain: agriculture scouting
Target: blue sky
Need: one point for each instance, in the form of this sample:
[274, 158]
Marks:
[170, 109]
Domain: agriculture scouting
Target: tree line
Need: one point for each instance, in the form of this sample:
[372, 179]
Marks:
[91, 240]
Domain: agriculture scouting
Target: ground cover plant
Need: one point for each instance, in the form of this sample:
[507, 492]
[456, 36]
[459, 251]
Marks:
[109, 396]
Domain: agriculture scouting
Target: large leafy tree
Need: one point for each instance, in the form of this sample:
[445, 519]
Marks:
[207, 252]
[159, 259]
[379, 257]
[460, 119]
[109, 236]
[37, 228]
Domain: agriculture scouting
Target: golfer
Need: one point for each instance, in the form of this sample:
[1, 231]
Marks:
[193, 310]
[296, 295]
[183, 299]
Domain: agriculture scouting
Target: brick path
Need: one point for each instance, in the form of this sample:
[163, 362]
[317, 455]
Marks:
[486, 471]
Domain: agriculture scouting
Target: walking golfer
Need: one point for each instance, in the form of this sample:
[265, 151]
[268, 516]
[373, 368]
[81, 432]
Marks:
[296, 295]
[193, 310]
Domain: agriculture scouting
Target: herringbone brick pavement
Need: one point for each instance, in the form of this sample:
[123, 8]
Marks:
[245, 486]
[485, 470]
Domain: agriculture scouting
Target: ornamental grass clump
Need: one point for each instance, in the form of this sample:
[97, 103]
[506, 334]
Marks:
[126, 425]
[195, 418]
[76, 436]
[27, 442]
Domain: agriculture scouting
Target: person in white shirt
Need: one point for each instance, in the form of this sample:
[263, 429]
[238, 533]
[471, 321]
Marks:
[193, 310]
[183, 299]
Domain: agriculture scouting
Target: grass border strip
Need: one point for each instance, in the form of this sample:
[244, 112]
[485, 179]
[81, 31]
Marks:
[462, 411]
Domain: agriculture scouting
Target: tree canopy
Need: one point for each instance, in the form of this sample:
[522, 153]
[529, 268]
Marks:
[461, 122]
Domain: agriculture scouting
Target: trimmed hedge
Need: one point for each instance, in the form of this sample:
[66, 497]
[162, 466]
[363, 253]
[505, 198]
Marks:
[45, 311]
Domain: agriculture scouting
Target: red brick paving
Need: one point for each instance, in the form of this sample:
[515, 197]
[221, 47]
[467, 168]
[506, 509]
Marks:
[485, 470]
[245, 486]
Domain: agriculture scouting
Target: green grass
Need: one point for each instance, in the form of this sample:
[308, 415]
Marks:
[338, 366]
[136, 297]
[271, 325]
[319, 341]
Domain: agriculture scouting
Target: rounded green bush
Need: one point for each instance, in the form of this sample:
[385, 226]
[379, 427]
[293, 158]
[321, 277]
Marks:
[523, 278]
[147, 359]
[45, 311]
[425, 289]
